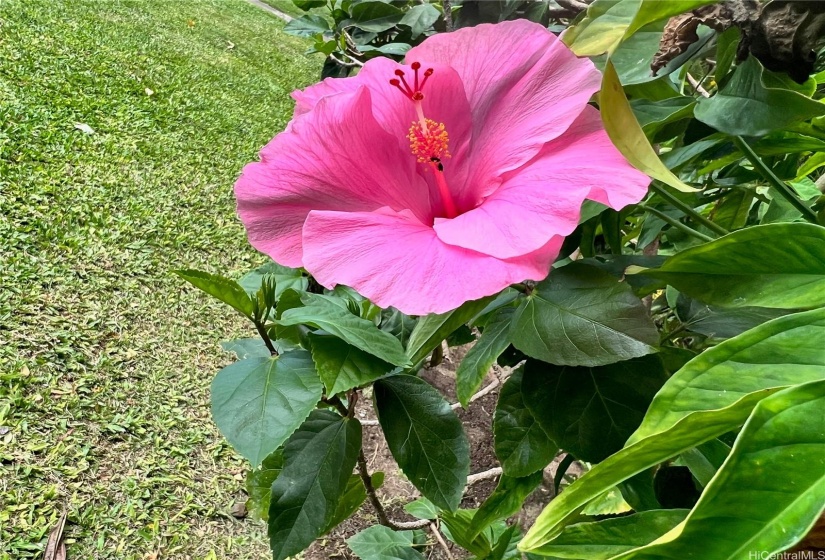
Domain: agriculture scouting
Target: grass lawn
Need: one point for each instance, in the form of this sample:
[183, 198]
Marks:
[123, 125]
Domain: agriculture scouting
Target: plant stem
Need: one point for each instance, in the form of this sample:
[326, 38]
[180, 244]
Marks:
[696, 216]
[781, 187]
[363, 472]
[676, 223]
[265, 336]
[448, 15]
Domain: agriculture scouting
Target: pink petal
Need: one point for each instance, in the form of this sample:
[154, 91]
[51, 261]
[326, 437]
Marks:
[520, 217]
[444, 99]
[586, 154]
[336, 157]
[394, 260]
[542, 199]
[525, 88]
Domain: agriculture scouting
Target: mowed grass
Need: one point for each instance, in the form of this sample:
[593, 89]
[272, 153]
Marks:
[105, 356]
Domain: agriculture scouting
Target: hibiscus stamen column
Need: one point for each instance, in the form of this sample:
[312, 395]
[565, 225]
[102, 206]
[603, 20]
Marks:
[429, 141]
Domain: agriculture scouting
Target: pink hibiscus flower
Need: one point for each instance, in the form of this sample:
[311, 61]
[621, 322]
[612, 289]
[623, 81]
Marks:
[426, 185]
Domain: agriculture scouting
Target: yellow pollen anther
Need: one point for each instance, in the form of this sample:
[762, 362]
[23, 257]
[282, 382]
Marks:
[429, 144]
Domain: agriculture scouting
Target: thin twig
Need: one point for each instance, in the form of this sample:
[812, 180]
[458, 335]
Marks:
[352, 64]
[373, 497]
[485, 391]
[697, 86]
[448, 15]
[437, 534]
[573, 5]
[484, 475]
[676, 223]
[778, 184]
[696, 216]
[265, 336]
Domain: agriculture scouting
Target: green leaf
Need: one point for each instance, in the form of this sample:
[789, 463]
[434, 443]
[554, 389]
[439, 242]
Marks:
[224, 289]
[382, 543]
[432, 329]
[774, 265]
[258, 402]
[330, 314]
[398, 49]
[783, 352]
[425, 438]
[351, 499]
[727, 43]
[719, 323]
[768, 494]
[482, 355]
[608, 22]
[602, 540]
[285, 279]
[420, 18]
[654, 115]
[376, 16]
[343, 366]
[590, 412]
[626, 133]
[745, 107]
[506, 500]
[397, 324]
[690, 431]
[259, 484]
[521, 445]
[704, 460]
[307, 26]
[456, 527]
[318, 462]
[583, 316]
[422, 508]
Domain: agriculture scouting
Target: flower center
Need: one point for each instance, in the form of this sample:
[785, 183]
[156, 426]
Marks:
[429, 141]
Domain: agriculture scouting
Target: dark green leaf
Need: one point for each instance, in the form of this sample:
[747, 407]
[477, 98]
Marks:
[431, 330]
[521, 445]
[654, 115]
[224, 289]
[768, 493]
[583, 316]
[318, 462]
[482, 355]
[591, 412]
[382, 543]
[397, 324]
[745, 107]
[397, 49]
[718, 323]
[506, 500]
[307, 26]
[259, 484]
[376, 16]
[343, 366]
[330, 314]
[602, 540]
[776, 265]
[690, 431]
[420, 18]
[783, 352]
[352, 498]
[425, 437]
[258, 402]
[462, 335]
[727, 44]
